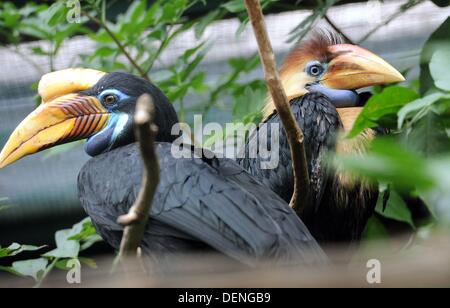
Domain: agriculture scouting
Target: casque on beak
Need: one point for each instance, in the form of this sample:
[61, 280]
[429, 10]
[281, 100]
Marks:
[353, 67]
[64, 115]
[66, 119]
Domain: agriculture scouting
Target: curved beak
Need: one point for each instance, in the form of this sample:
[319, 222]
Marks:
[65, 119]
[352, 67]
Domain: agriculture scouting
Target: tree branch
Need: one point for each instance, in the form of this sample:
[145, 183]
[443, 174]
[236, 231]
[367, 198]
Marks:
[119, 44]
[301, 195]
[136, 220]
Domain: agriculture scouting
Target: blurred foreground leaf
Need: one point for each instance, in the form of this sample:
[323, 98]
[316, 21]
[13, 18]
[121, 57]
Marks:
[375, 230]
[390, 162]
[418, 108]
[395, 209]
[31, 268]
[439, 68]
[438, 40]
[381, 109]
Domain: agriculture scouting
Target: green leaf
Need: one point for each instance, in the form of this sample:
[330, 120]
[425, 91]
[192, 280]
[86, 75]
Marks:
[105, 51]
[375, 230]
[415, 106]
[200, 27]
[89, 262]
[15, 249]
[30, 268]
[39, 51]
[234, 6]
[62, 264]
[438, 40]
[439, 68]
[83, 230]
[65, 248]
[244, 64]
[90, 241]
[426, 132]
[389, 162]
[248, 99]
[381, 109]
[173, 9]
[396, 209]
[136, 11]
[56, 13]
[87, 235]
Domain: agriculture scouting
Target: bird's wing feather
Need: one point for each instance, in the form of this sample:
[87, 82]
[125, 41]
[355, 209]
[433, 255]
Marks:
[218, 204]
[319, 121]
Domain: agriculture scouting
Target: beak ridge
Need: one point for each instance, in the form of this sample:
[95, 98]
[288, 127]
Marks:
[65, 119]
[354, 67]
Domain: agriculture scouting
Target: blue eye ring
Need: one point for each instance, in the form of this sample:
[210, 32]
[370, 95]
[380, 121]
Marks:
[112, 97]
[315, 68]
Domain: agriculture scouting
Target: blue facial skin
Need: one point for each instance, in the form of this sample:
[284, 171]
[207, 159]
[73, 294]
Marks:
[339, 98]
[105, 139]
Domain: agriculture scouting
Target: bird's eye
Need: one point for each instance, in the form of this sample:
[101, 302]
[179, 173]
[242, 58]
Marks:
[110, 99]
[315, 69]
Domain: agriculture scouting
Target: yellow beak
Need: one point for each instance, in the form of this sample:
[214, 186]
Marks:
[353, 67]
[67, 118]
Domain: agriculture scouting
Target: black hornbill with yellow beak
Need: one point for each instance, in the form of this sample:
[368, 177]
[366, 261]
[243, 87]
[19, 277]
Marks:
[320, 77]
[200, 204]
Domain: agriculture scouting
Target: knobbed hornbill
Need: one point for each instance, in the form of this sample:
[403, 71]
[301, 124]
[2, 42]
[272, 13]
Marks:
[200, 204]
[320, 77]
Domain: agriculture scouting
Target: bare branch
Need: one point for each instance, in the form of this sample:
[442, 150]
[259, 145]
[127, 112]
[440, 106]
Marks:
[119, 44]
[403, 8]
[301, 195]
[136, 220]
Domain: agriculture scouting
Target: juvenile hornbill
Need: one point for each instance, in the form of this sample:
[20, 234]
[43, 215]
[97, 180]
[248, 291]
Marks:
[320, 77]
[200, 204]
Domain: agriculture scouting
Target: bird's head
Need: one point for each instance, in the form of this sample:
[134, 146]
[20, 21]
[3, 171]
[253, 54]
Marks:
[323, 63]
[86, 104]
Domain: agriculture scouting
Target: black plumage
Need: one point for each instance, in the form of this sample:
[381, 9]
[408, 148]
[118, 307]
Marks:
[328, 222]
[199, 204]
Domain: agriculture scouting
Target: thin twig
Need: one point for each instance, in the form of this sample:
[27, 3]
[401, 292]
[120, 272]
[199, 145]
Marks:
[136, 220]
[118, 43]
[26, 58]
[403, 8]
[337, 29]
[301, 195]
[46, 272]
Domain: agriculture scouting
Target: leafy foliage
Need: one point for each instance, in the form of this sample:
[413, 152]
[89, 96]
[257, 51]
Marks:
[414, 161]
[69, 244]
[382, 108]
